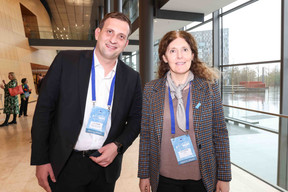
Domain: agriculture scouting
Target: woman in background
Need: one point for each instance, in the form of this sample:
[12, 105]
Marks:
[24, 97]
[184, 143]
[11, 105]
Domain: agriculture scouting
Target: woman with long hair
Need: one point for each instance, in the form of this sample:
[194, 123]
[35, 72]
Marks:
[184, 143]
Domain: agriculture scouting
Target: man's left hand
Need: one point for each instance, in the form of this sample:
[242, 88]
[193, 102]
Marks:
[222, 186]
[109, 152]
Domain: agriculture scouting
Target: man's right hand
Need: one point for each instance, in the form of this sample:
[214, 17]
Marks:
[42, 173]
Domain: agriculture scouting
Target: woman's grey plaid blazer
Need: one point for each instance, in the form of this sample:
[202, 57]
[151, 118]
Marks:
[210, 131]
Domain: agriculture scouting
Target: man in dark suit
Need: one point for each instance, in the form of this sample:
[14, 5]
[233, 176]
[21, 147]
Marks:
[90, 105]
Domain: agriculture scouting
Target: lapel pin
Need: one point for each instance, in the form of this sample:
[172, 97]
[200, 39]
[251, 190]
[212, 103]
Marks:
[198, 105]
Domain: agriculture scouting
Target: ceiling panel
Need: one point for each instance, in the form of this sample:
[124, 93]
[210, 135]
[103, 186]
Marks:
[75, 16]
[197, 6]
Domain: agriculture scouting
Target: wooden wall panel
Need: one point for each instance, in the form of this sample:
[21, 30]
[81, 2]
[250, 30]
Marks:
[15, 52]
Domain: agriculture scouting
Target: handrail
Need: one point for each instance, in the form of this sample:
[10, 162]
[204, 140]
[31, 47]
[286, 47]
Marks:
[20, 104]
[255, 126]
[252, 110]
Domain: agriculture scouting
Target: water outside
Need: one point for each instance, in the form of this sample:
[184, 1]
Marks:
[253, 149]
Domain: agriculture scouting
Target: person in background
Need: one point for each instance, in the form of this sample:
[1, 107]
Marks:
[24, 97]
[184, 143]
[88, 114]
[39, 82]
[11, 105]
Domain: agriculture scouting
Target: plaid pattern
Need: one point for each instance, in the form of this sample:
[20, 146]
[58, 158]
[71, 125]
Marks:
[210, 132]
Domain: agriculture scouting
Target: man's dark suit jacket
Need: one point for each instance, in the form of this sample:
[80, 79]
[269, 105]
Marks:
[60, 111]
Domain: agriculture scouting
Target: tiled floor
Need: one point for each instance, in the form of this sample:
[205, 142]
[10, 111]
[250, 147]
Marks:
[16, 175]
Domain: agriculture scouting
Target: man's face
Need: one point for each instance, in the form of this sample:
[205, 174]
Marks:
[111, 39]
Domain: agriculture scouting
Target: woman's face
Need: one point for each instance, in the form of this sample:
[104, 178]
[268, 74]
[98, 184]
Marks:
[179, 56]
[10, 76]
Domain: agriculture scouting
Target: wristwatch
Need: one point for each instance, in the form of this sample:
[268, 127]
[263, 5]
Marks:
[119, 146]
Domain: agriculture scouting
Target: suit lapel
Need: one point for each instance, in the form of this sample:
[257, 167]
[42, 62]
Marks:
[158, 106]
[84, 70]
[119, 95]
[120, 82]
[198, 98]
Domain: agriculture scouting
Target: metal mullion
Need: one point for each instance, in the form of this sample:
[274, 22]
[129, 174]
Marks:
[257, 111]
[200, 24]
[283, 129]
[253, 63]
[238, 7]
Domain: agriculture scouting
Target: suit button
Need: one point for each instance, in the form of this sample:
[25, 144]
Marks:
[199, 146]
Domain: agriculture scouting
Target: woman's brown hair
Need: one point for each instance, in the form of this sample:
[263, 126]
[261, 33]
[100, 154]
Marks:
[198, 68]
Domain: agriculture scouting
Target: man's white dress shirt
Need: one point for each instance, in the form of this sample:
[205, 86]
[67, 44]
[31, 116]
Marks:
[88, 141]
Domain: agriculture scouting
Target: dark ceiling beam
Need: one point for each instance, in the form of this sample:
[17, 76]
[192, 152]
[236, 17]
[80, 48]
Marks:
[133, 42]
[68, 43]
[179, 15]
[160, 3]
[126, 53]
[62, 43]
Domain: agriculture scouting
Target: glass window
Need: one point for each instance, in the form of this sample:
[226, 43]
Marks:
[195, 23]
[204, 39]
[134, 61]
[252, 33]
[130, 8]
[253, 149]
[252, 86]
[233, 5]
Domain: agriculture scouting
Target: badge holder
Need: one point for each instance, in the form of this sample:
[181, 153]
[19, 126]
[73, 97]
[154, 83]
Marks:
[98, 121]
[183, 149]
[99, 116]
[182, 145]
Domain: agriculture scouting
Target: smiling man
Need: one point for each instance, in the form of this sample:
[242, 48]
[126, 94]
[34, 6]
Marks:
[88, 114]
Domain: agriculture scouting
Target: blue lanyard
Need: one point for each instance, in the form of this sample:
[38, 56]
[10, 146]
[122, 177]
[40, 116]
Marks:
[93, 86]
[172, 111]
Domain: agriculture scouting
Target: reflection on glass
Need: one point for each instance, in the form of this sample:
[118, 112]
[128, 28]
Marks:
[204, 39]
[253, 149]
[130, 8]
[250, 119]
[134, 61]
[253, 86]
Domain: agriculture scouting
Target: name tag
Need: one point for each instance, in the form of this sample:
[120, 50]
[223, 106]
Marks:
[183, 149]
[97, 121]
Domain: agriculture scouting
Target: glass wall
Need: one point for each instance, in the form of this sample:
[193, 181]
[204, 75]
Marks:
[251, 65]
[204, 39]
[130, 8]
[252, 86]
[254, 32]
[251, 80]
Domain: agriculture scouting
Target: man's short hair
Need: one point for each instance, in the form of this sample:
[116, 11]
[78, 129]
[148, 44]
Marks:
[116, 15]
